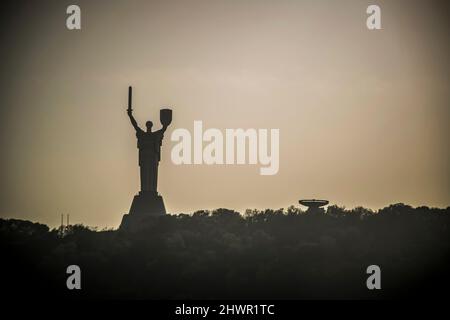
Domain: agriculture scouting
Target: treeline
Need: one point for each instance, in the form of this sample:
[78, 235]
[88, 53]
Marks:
[282, 254]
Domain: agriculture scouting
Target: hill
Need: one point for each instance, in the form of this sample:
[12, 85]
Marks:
[280, 254]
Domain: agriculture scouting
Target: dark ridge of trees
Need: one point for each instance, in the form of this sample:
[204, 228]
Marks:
[280, 254]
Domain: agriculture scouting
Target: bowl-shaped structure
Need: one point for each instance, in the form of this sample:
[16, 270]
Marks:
[313, 203]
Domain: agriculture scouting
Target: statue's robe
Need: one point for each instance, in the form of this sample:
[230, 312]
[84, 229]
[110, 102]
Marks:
[149, 145]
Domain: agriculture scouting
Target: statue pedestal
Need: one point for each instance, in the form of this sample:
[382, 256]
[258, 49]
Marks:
[145, 205]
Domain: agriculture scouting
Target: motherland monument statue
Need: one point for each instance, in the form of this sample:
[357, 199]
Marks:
[147, 203]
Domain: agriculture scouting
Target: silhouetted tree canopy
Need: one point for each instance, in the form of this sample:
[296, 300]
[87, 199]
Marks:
[222, 254]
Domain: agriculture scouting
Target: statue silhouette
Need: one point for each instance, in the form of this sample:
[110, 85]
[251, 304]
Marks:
[149, 145]
[148, 202]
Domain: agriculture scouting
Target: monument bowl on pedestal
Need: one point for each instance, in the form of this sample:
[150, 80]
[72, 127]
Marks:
[314, 205]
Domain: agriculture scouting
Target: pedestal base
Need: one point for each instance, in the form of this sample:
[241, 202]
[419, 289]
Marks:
[145, 205]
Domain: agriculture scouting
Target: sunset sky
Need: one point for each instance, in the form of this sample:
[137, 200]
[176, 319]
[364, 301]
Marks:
[363, 115]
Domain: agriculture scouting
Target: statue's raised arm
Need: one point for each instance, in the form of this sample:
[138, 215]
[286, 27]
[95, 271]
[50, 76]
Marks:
[133, 121]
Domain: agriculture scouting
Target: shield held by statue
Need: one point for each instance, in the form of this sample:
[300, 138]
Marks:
[165, 116]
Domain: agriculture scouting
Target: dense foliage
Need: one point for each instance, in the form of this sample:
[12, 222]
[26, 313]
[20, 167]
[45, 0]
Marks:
[222, 254]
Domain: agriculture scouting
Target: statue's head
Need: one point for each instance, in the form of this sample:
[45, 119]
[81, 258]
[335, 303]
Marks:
[149, 126]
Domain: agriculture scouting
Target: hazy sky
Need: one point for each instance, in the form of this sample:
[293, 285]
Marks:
[363, 115]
